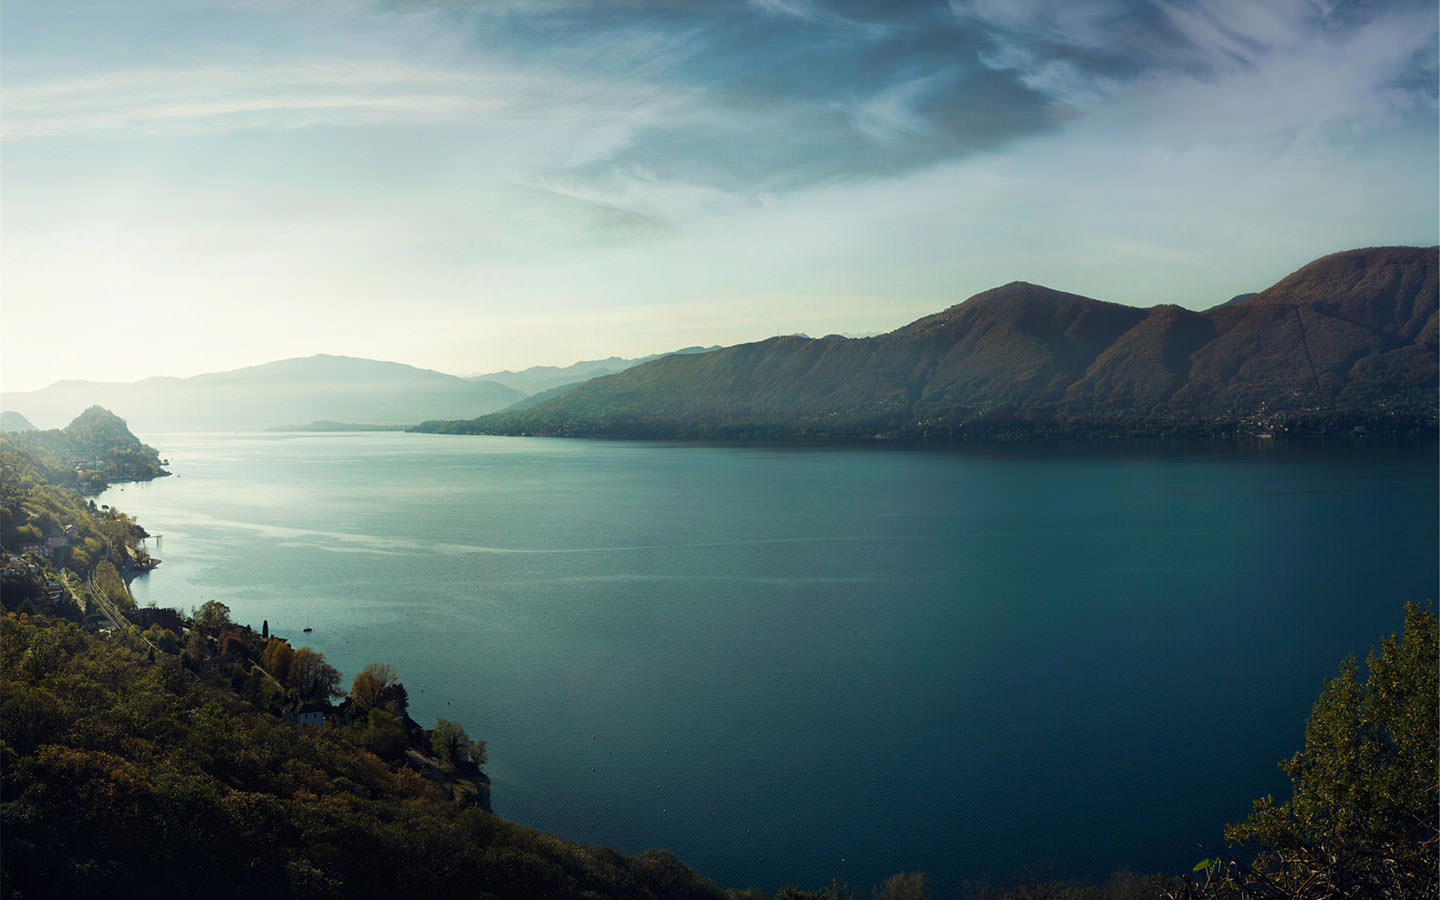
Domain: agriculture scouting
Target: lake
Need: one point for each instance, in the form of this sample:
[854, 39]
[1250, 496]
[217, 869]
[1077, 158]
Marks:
[788, 664]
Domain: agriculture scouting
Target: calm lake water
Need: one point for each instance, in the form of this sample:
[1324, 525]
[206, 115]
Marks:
[793, 664]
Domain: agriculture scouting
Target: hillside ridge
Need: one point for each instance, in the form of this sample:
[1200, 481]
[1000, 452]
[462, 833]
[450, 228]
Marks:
[1346, 342]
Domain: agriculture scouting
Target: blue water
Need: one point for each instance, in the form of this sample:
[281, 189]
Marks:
[793, 664]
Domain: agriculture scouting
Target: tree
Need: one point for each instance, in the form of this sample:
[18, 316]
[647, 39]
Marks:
[905, 886]
[396, 699]
[836, 890]
[232, 644]
[1362, 817]
[276, 659]
[212, 616]
[196, 646]
[380, 733]
[370, 686]
[312, 676]
[454, 747]
[164, 638]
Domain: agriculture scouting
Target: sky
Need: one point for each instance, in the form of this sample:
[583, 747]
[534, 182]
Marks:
[198, 185]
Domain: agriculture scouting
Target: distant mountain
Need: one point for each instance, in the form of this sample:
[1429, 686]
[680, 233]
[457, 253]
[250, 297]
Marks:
[1350, 339]
[287, 392]
[13, 421]
[544, 379]
[542, 396]
[1237, 298]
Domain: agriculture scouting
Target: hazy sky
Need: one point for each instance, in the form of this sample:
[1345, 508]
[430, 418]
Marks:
[192, 185]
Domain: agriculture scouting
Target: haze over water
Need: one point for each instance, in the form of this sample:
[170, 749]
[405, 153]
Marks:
[792, 664]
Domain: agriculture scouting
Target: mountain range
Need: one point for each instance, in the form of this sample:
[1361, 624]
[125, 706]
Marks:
[286, 392]
[1348, 341]
[319, 392]
[556, 379]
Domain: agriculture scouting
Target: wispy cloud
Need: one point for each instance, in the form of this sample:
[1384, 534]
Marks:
[1081, 23]
[1244, 70]
[641, 195]
[209, 98]
[1344, 88]
[896, 112]
[812, 12]
[1064, 80]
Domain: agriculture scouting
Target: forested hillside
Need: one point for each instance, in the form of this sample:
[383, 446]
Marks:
[126, 776]
[48, 526]
[95, 450]
[1350, 341]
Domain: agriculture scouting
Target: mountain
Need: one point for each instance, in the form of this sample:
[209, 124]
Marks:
[543, 379]
[96, 449]
[287, 392]
[13, 421]
[542, 396]
[1348, 340]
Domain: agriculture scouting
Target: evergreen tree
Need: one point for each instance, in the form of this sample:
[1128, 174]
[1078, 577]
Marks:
[1362, 817]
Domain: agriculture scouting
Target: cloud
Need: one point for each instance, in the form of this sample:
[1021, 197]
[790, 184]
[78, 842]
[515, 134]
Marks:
[786, 165]
[1139, 39]
[1065, 81]
[815, 14]
[218, 98]
[1080, 23]
[1224, 70]
[897, 111]
[1227, 34]
[695, 95]
[1343, 89]
[639, 198]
